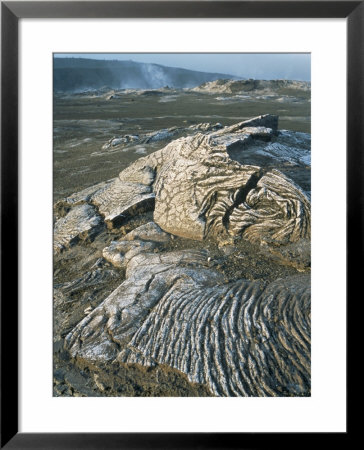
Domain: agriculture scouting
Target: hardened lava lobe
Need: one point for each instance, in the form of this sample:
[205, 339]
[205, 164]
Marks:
[175, 307]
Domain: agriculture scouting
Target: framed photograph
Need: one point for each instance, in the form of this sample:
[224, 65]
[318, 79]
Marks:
[179, 180]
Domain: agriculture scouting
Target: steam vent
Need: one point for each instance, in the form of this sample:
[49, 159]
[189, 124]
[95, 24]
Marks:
[202, 269]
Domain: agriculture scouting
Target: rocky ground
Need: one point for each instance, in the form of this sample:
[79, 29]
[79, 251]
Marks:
[181, 245]
[86, 122]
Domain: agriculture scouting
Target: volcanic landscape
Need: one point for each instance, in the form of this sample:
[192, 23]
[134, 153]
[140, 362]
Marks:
[182, 239]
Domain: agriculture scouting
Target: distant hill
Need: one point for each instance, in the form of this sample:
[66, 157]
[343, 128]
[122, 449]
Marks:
[77, 74]
[228, 86]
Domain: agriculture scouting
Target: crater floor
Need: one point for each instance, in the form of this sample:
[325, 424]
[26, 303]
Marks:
[167, 284]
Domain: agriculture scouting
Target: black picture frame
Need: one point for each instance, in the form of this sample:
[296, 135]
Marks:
[11, 12]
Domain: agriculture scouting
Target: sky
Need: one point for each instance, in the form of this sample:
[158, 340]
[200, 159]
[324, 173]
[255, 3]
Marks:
[268, 66]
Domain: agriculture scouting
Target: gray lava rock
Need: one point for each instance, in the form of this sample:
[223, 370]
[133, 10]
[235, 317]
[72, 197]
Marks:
[81, 223]
[239, 337]
[199, 190]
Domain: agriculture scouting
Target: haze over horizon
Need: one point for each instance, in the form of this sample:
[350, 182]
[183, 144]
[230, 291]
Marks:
[268, 66]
